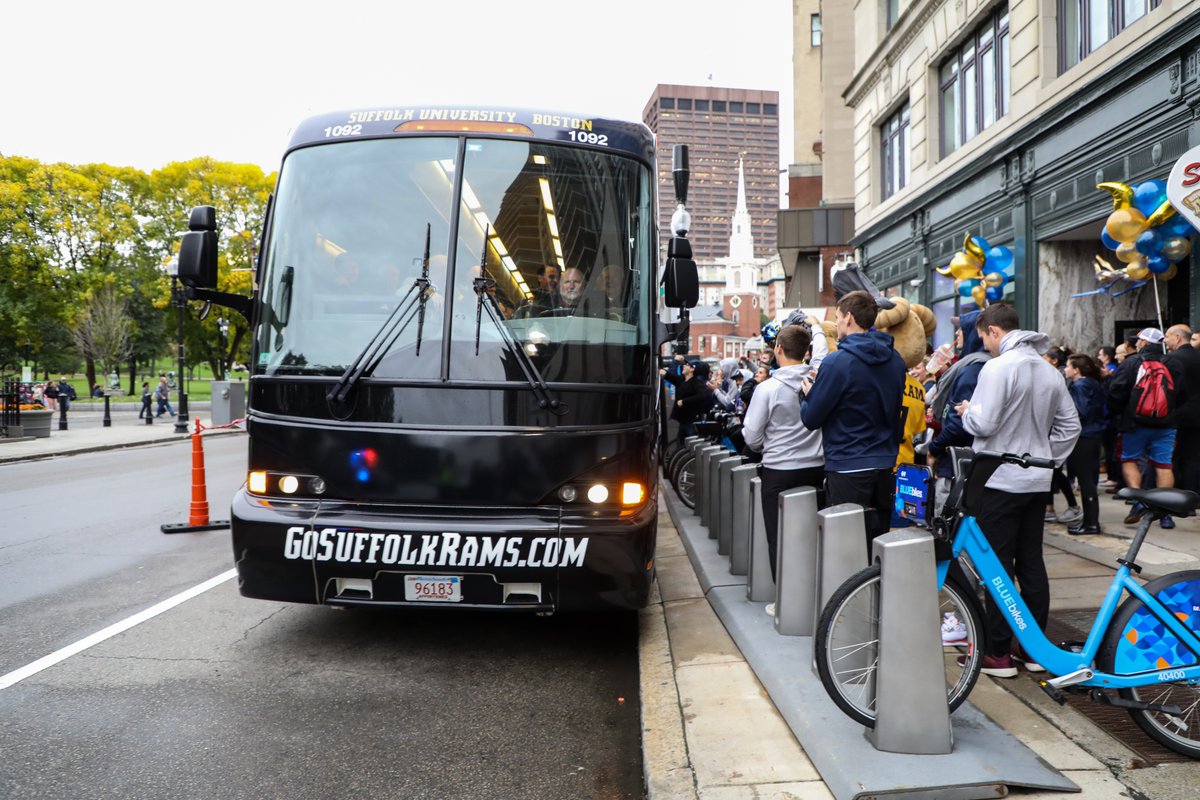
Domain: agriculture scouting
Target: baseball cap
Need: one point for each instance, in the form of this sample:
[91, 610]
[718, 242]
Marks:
[1152, 335]
[702, 369]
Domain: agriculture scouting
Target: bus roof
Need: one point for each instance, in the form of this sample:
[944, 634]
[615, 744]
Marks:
[632, 138]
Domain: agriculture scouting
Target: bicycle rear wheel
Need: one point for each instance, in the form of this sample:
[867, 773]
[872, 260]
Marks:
[672, 462]
[1137, 641]
[847, 644]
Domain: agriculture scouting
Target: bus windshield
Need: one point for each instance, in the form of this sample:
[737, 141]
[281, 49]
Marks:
[558, 241]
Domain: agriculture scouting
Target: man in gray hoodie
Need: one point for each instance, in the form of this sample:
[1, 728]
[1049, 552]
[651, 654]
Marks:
[1020, 405]
[791, 453]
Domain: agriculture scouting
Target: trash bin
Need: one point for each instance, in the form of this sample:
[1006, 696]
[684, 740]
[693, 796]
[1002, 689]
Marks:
[228, 401]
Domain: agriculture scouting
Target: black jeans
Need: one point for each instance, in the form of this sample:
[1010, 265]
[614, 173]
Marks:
[1013, 524]
[1187, 459]
[872, 489]
[774, 483]
[1061, 483]
[1085, 463]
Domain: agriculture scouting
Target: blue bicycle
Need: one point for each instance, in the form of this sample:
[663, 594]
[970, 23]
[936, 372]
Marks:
[1146, 649]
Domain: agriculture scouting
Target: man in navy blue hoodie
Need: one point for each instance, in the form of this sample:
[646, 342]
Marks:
[956, 385]
[857, 402]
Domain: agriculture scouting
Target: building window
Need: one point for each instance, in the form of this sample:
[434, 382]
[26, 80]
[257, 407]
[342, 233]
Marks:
[771, 109]
[753, 108]
[685, 104]
[718, 106]
[702, 105]
[891, 12]
[737, 318]
[893, 140]
[666, 102]
[1084, 25]
[735, 108]
[974, 83]
[814, 30]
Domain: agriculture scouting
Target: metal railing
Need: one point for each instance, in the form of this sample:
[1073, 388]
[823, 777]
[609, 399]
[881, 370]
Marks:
[10, 406]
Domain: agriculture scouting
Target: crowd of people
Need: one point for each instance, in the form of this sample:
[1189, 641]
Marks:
[841, 417]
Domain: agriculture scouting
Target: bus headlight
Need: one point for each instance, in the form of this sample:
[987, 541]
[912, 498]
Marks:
[632, 494]
[568, 494]
[257, 482]
[597, 493]
[288, 484]
[317, 485]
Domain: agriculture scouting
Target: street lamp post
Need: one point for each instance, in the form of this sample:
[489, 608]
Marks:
[179, 300]
[223, 326]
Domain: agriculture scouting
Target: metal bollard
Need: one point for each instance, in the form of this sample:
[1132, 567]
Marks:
[705, 455]
[107, 413]
[841, 552]
[724, 516]
[739, 538]
[796, 562]
[912, 715]
[760, 583]
[62, 414]
[710, 499]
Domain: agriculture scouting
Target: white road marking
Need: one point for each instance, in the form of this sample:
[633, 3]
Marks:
[18, 675]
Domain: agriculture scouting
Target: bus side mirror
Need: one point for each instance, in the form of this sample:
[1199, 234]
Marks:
[681, 277]
[198, 250]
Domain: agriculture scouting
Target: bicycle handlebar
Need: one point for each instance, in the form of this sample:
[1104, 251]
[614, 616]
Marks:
[1024, 461]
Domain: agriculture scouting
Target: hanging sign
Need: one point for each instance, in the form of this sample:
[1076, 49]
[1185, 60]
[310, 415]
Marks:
[1183, 187]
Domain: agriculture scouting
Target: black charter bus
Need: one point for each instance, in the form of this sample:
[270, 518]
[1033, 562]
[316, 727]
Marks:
[453, 389]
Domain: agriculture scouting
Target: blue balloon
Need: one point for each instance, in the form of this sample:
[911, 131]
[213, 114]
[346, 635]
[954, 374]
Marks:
[1177, 226]
[982, 242]
[965, 287]
[1150, 243]
[1108, 241]
[1148, 196]
[995, 293]
[998, 259]
[1157, 264]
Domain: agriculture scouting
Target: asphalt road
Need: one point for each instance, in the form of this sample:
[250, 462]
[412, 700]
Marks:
[221, 696]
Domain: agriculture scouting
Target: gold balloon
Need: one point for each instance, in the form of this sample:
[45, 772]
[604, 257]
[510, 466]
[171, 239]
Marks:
[1126, 224]
[1170, 273]
[1122, 194]
[978, 294]
[1128, 253]
[1176, 248]
[1161, 214]
[943, 270]
[1138, 271]
[964, 266]
[994, 279]
[973, 251]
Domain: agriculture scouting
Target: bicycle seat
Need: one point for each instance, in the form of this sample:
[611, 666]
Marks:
[1179, 502]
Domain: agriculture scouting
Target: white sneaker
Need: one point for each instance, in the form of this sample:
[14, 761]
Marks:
[1071, 516]
[770, 609]
[953, 629]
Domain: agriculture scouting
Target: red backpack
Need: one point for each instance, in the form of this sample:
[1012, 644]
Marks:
[1153, 393]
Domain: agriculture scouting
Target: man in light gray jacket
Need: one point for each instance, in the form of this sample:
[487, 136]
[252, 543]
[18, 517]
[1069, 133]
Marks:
[791, 453]
[1020, 405]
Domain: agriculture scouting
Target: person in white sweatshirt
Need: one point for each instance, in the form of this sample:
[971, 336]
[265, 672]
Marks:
[1020, 405]
[791, 453]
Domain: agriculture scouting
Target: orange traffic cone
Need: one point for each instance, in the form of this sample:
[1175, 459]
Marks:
[198, 516]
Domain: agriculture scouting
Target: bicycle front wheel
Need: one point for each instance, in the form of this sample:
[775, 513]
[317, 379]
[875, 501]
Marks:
[684, 479]
[1137, 641]
[847, 644]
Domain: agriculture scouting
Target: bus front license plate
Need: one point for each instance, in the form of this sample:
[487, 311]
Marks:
[433, 588]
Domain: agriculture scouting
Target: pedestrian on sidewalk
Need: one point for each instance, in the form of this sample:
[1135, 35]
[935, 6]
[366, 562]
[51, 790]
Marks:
[1091, 403]
[1145, 394]
[791, 453]
[66, 393]
[1183, 355]
[162, 393]
[857, 403]
[1021, 405]
[147, 397]
[954, 386]
[693, 397]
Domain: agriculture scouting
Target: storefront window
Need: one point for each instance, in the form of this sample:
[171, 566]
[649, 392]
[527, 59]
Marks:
[1084, 25]
[973, 83]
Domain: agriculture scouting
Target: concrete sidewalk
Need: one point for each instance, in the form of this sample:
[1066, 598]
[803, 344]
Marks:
[711, 730]
[89, 436]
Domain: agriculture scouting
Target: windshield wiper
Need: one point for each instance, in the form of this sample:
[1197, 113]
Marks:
[423, 285]
[485, 300]
[378, 345]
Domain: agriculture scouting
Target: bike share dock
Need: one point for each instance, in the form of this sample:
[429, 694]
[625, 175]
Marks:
[983, 759]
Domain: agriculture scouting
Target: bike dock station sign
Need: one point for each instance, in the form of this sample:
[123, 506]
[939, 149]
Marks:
[972, 757]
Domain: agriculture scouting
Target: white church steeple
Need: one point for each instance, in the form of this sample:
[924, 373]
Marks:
[741, 241]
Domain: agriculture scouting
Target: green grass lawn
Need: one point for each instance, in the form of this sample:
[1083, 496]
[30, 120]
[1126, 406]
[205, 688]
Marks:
[198, 389]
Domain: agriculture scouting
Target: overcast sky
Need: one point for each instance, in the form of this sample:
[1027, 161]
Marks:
[141, 83]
